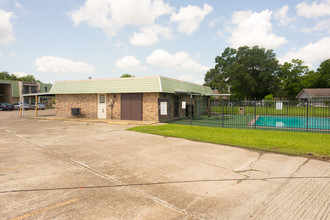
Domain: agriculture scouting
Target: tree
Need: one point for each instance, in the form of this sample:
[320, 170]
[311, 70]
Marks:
[269, 99]
[293, 78]
[322, 75]
[6, 76]
[126, 75]
[248, 72]
[28, 78]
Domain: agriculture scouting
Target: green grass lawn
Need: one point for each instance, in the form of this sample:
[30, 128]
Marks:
[293, 143]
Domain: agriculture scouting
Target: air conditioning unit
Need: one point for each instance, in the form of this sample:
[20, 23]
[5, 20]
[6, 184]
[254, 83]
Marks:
[75, 111]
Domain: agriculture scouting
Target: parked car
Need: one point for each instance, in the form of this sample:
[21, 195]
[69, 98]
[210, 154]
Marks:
[18, 105]
[6, 106]
[40, 105]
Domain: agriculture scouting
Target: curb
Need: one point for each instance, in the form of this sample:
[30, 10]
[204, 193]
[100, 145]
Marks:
[94, 121]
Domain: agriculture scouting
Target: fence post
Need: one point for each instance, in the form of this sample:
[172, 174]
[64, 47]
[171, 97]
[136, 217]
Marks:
[191, 110]
[307, 116]
[223, 113]
[255, 112]
[213, 105]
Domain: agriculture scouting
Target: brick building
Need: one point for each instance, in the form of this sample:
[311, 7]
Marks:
[12, 91]
[137, 98]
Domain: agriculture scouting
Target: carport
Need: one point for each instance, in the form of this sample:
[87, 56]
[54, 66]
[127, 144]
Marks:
[36, 95]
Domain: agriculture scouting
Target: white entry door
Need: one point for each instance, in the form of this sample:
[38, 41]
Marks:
[102, 106]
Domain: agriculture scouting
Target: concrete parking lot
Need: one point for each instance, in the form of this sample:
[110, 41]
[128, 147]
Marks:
[84, 170]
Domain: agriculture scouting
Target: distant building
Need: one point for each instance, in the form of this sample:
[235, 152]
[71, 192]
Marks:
[314, 94]
[12, 91]
[217, 95]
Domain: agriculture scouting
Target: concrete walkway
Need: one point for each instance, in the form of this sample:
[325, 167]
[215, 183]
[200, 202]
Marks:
[52, 169]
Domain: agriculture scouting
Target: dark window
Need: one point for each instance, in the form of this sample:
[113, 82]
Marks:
[46, 89]
[102, 98]
[33, 89]
[25, 89]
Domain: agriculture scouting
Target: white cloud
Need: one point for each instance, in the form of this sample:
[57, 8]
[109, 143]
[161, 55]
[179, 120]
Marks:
[321, 25]
[6, 27]
[199, 81]
[52, 64]
[180, 61]
[111, 15]
[18, 5]
[150, 35]
[220, 33]
[240, 16]
[314, 9]
[282, 16]
[186, 77]
[311, 53]
[214, 22]
[1, 55]
[190, 17]
[20, 74]
[12, 54]
[190, 78]
[254, 29]
[129, 63]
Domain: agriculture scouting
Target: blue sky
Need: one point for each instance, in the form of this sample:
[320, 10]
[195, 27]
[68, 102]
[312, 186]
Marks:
[75, 39]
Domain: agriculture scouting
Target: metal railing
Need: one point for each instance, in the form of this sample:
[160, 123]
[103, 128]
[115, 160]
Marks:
[303, 116]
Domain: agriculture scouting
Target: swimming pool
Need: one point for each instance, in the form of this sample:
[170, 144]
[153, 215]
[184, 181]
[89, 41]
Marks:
[321, 123]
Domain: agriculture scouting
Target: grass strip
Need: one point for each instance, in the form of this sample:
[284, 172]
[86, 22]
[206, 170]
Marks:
[313, 145]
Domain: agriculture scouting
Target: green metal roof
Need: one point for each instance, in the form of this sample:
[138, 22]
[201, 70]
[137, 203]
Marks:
[127, 85]
[172, 85]
[14, 86]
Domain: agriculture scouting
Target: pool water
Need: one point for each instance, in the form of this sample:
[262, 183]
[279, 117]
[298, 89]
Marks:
[294, 122]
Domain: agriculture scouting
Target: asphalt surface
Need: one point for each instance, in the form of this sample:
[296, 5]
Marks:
[85, 170]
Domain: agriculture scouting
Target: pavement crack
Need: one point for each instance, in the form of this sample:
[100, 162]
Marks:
[251, 167]
[265, 202]
[198, 199]
[108, 177]
[213, 165]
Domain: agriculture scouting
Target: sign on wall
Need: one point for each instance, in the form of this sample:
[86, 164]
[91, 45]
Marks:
[183, 104]
[279, 105]
[163, 108]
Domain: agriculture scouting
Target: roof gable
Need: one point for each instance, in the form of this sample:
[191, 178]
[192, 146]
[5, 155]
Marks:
[316, 93]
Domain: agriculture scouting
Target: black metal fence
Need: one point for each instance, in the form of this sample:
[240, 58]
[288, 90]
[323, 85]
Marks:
[304, 116]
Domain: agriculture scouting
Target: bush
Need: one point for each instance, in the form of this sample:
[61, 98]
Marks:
[269, 99]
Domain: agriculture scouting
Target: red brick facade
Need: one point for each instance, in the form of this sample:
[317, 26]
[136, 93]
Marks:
[150, 106]
[88, 103]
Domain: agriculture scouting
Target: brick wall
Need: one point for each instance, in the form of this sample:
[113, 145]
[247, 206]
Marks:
[86, 102]
[113, 112]
[150, 106]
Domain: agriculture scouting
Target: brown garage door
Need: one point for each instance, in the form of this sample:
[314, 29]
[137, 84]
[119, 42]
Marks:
[131, 106]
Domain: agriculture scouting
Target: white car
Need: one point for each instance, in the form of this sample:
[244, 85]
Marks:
[40, 106]
[18, 105]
